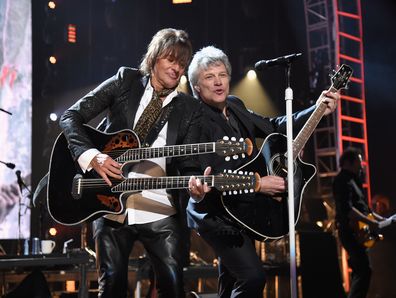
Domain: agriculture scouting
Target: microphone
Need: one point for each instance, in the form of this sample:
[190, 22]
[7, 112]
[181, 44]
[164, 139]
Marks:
[9, 113]
[283, 60]
[8, 165]
[19, 180]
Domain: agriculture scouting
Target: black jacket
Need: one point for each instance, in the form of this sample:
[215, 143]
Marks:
[120, 96]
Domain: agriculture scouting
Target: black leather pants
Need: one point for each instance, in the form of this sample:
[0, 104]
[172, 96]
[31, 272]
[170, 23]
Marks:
[114, 243]
[241, 272]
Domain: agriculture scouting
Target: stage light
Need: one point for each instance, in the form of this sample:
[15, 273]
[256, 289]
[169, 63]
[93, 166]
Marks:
[52, 59]
[53, 117]
[52, 231]
[72, 33]
[181, 1]
[70, 286]
[51, 5]
[183, 80]
[251, 75]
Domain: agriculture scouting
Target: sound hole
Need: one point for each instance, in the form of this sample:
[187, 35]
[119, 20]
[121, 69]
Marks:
[278, 165]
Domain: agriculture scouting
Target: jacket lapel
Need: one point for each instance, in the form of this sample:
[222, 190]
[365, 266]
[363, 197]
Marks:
[136, 93]
[173, 122]
[243, 118]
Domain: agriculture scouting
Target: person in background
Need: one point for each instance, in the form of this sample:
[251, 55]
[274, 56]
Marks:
[145, 100]
[352, 207]
[241, 272]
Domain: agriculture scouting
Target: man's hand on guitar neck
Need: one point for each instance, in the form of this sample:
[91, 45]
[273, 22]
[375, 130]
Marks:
[196, 189]
[331, 99]
[106, 167]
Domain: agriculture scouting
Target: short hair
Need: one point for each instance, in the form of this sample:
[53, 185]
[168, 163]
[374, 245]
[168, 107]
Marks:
[167, 42]
[202, 60]
[349, 155]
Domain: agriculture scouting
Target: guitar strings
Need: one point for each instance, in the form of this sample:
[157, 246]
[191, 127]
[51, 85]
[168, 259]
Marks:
[132, 182]
[173, 149]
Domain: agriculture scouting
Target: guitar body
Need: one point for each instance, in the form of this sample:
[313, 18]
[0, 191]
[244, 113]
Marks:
[364, 235]
[62, 204]
[266, 217]
[74, 197]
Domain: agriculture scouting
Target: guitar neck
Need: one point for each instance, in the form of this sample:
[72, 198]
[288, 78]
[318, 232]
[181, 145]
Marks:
[309, 127]
[227, 182]
[149, 183]
[167, 151]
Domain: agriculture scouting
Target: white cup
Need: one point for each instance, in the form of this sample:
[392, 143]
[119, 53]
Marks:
[47, 246]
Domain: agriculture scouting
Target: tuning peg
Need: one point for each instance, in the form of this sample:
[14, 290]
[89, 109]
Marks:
[225, 138]
[227, 158]
[235, 156]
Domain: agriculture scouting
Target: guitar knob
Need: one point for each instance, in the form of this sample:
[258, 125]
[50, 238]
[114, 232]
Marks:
[233, 139]
[227, 158]
[235, 192]
[246, 191]
[243, 155]
[225, 138]
[224, 193]
[240, 173]
[251, 190]
[241, 140]
[235, 156]
[229, 171]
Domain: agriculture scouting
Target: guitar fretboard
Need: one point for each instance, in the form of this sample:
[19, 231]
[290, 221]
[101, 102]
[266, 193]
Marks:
[167, 151]
[309, 127]
[146, 183]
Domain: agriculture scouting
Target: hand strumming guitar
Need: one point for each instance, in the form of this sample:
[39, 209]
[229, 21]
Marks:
[106, 167]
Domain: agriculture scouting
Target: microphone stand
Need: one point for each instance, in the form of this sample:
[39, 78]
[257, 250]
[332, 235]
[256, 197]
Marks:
[21, 185]
[290, 182]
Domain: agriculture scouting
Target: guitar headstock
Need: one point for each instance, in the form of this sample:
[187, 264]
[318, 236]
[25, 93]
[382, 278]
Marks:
[232, 147]
[233, 183]
[341, 78]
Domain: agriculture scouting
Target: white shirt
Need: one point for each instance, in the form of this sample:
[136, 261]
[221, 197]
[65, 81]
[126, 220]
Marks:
[149, 205]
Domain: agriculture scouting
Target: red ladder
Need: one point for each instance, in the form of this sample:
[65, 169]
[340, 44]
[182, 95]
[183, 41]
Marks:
[351, 113]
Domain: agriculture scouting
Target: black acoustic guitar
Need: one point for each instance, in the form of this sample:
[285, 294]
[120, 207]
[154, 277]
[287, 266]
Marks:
[124, 147]
[267, 217]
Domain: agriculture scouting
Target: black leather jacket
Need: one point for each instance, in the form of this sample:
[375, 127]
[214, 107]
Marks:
[119, 96]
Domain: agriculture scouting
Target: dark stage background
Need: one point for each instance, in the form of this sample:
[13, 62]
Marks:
[115, 33]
